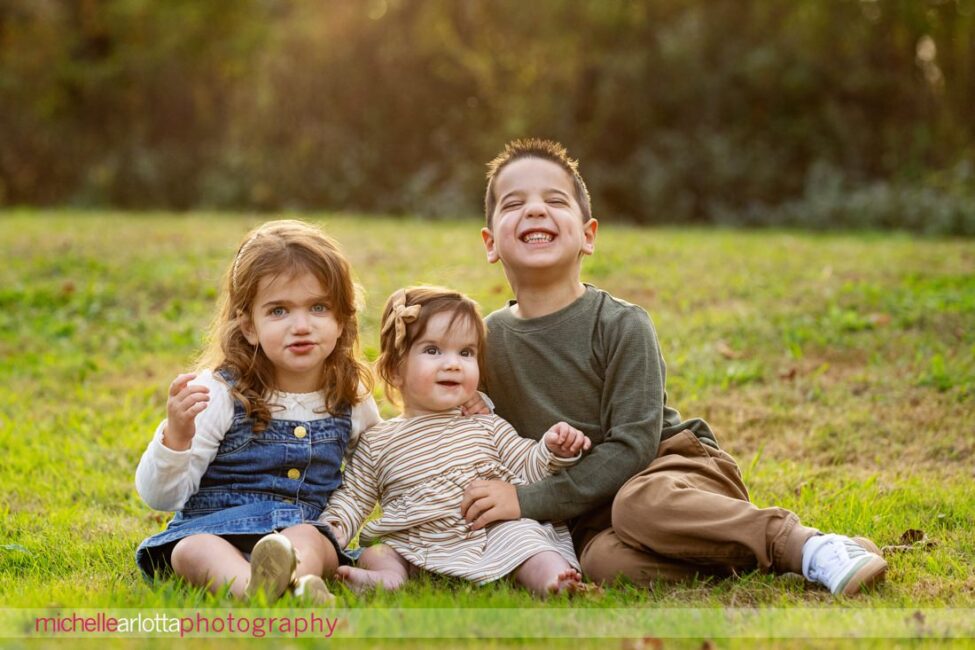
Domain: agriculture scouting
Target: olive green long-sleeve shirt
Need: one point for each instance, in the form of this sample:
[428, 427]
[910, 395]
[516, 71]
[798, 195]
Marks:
[595, 364]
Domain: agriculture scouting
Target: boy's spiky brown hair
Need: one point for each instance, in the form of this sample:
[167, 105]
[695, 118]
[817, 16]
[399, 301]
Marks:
[536, 148]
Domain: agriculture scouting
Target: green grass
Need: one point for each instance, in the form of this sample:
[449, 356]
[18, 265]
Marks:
[838, 369]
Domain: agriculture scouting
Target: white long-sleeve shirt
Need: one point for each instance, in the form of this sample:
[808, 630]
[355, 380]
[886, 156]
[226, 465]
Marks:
[166, 478]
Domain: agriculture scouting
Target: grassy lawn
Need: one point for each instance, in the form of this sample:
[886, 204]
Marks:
[838, 369]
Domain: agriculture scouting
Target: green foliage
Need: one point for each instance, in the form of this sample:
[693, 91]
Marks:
[785, 112]
[835, 202]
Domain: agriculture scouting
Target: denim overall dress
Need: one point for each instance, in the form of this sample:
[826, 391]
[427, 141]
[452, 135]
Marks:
[258, 484]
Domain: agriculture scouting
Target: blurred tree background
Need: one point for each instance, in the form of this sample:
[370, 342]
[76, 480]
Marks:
[819, 113]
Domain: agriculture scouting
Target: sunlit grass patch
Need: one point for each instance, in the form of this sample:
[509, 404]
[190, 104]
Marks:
[838, 369]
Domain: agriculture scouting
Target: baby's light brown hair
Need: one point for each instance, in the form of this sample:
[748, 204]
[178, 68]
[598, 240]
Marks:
[536, 148]
[409, 310]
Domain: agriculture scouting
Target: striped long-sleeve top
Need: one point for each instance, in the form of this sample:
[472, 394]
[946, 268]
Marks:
[417, 469]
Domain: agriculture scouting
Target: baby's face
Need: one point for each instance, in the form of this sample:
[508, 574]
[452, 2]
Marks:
[440, 371]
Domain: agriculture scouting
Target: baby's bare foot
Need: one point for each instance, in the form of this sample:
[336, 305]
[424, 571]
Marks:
[360, 580]
[568, 581]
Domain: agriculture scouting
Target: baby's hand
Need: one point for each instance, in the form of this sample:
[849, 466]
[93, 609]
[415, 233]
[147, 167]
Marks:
[341, 536]
[475, 406]
[184, 404]
[565, 441]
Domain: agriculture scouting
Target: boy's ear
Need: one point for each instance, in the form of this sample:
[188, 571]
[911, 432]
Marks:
[488, 237]
[247, 327]
[589, 236]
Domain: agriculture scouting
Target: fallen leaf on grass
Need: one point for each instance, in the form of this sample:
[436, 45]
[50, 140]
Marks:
[725, 350]
[587, 589]
[646, 643]
[878, 320]
[789, 375]
[912, 539]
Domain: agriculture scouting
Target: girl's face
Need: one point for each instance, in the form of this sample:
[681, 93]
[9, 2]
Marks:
[440, 369]
[292, 322]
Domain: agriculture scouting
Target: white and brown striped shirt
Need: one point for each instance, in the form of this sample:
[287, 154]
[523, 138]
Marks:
[417, 469]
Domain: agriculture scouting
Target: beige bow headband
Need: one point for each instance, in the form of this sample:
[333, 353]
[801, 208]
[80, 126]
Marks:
[399, 316]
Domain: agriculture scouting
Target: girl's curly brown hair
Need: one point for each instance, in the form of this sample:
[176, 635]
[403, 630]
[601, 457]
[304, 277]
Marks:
[285, 248]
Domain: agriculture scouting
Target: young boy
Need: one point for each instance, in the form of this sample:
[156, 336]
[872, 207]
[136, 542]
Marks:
[656, 498]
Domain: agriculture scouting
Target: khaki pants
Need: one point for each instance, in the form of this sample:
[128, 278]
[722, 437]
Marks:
[688, 514]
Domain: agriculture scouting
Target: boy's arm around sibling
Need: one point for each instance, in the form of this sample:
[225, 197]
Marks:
[599, 366]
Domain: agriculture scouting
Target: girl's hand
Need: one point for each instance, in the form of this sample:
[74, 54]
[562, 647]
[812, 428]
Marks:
[184, 404]
[475, 406]
[566, 441]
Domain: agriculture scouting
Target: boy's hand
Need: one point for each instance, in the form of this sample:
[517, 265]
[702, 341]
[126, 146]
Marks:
[566, 441]
[184, 404]
[475, 406]
[488, 501]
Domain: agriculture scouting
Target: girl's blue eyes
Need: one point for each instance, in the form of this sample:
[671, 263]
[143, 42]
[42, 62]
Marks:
[281, 311]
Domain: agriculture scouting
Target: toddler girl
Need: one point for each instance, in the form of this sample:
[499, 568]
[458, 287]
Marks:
[418, 464]
[253, 442]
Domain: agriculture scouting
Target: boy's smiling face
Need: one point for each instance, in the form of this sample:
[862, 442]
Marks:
[537, 226]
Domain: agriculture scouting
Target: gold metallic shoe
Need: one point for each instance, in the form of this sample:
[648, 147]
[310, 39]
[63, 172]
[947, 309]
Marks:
[312, 589]
[273, 564]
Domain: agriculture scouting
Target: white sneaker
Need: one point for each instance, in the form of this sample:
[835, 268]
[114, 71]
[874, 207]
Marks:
[273, 564]
[312, 589]
[841, 564]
